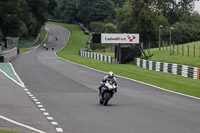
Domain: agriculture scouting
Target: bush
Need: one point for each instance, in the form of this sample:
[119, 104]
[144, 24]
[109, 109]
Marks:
[110, 28]
[96, 27]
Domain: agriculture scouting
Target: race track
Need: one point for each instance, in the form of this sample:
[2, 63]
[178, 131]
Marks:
[69, 93]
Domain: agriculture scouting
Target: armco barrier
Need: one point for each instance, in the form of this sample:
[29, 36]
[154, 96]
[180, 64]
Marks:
[29, 44]
[96, 56]
[177, 69]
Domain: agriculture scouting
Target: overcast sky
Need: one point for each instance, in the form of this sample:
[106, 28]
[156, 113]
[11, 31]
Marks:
[197, 6]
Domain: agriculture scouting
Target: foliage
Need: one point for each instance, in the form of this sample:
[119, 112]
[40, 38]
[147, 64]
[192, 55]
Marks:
[145, 18]
[110, 28]
[69, 9]
[94, 10]
[96, 27]
[100, 27]
[24, 18]
[43, 34]
[118, 3]
[1, 36]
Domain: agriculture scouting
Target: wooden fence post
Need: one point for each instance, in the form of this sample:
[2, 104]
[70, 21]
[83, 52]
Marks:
[177, 49]
[199, 51]
[182, 50]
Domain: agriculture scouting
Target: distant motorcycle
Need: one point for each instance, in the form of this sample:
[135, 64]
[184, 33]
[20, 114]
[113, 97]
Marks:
[44, 45]
[56, 38]
[107, 92]
[52, 47]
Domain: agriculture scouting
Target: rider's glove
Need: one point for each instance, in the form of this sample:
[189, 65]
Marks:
[102, 83]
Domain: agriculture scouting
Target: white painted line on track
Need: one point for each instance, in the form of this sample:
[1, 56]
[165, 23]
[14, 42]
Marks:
[11, 78]
[22, 84]
[26, 90]
[59, 130]
[54, 123]
[133, 80]
[23, 125]
[38, 102]
[50, 118]
[43, 109]
[45, 113]
[40, 106]
[29, 93]
[35, 100]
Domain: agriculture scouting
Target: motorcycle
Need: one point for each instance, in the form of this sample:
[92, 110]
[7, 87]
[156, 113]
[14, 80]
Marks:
[107, 92]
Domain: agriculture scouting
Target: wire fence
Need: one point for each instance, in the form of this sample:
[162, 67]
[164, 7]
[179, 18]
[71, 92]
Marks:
[190, 50]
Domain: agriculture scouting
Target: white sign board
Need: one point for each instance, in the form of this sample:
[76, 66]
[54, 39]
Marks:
[120, 38]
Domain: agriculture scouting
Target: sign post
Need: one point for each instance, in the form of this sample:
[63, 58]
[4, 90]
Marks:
[108, 38]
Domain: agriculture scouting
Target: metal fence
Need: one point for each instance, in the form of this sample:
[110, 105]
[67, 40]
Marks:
[11, 42]
[30, 43]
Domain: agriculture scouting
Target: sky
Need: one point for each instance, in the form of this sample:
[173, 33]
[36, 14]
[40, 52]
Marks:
[197, 6]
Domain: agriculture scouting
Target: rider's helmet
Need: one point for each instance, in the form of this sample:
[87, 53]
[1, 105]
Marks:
[110, 74]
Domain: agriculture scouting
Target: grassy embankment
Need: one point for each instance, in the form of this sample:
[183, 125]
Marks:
[7, 132]
[42, 37]
[165, 80]
[164, 56]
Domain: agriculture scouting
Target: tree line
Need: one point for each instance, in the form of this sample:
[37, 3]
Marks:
[136, 16]
[24, 18]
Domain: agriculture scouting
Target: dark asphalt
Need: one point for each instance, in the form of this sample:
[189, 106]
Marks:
[69, 93]
[17, 106]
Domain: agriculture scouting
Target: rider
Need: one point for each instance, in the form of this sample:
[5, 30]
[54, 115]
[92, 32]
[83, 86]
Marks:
[56, 38]
[109, 77]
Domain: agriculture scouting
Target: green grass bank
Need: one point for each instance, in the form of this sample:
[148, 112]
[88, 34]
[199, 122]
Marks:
[165, 80]
[6, 131]
[42, 37]
[180, 54]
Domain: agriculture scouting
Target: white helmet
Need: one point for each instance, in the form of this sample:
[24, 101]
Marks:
[110, 74]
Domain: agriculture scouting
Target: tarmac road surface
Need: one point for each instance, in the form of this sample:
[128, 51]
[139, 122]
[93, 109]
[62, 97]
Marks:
[69, 93]
[16, 106]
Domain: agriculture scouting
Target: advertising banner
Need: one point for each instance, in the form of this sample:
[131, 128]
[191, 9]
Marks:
[120, 38]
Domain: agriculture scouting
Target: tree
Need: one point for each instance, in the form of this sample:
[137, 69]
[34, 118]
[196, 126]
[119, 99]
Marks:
[11, 22]
[94, 10]
[139, 17]
[174, 9]
[118, 3]
[24, 18]
[70, 9]
[110, 28]
[96, 27]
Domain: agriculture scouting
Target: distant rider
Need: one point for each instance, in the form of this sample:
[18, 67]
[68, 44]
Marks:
[52, 47]
[108, 77]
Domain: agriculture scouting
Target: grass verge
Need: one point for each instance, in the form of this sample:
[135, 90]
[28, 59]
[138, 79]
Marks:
[42, 37]
[165, 80]
[181, 58]
[6, 131]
